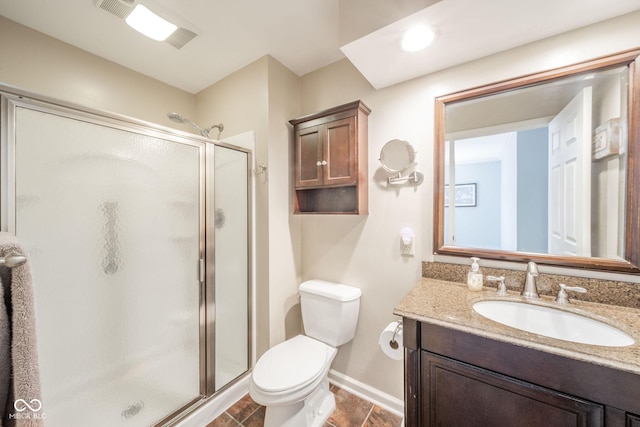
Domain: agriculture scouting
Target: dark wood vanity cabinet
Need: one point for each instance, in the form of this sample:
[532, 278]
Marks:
[458, 394]
[633, 420]
[331, 160]
[459, 379]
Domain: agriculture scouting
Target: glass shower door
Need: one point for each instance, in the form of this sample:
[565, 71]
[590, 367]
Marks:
[230, 255]
[113, 219]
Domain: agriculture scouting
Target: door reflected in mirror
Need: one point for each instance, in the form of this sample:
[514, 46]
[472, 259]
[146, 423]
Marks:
[548, 159]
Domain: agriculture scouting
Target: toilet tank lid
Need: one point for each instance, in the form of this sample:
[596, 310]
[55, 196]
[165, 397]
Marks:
[336, 291]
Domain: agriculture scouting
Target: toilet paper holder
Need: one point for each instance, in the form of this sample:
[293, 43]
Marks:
[393, 343]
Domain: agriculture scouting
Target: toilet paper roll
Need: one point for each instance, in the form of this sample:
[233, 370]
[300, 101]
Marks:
[390, 345]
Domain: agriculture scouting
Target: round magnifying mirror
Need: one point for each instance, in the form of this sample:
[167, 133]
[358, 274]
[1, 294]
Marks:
[397, 155]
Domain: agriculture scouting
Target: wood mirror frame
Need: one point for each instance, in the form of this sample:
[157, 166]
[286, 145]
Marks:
[631, 263]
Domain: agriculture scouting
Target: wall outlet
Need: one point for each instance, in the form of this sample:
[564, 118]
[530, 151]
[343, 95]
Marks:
[407, 250]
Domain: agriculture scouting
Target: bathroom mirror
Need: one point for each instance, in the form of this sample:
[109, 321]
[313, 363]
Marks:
[543, 168]
[398, 157]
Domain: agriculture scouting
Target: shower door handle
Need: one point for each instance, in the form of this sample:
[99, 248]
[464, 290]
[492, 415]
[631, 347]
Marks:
[201, 270]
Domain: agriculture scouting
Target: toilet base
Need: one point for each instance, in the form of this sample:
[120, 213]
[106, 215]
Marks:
[311, 412]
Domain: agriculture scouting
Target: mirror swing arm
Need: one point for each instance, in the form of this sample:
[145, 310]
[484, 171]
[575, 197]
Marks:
[414, 177]
[631, 261]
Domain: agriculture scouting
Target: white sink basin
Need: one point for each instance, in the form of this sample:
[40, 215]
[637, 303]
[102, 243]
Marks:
[554, 323]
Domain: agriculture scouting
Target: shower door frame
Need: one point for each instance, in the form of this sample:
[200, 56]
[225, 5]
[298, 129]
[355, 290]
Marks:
[12, 98]
[210, 261]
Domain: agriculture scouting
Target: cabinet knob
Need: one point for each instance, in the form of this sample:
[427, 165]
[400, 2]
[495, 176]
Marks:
[318, 163]
[324, 163]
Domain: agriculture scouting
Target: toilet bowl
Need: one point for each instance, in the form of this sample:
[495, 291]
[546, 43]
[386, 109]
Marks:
[291, 379]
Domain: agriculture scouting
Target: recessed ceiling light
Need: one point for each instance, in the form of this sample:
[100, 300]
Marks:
[417, 38]
[148, 23]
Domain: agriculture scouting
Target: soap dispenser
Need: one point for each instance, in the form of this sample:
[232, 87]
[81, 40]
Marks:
[474, 277]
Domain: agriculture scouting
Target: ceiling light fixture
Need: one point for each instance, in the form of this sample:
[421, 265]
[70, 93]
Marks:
[417, 38]
[148, 23]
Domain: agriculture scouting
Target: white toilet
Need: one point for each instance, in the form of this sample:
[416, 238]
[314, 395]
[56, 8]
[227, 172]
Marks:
[291, 379]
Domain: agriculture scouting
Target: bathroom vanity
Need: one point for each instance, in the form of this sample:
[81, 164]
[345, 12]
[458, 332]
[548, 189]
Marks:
[462, 369]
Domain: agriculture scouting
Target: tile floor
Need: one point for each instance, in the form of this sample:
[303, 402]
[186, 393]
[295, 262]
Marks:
[351, 411]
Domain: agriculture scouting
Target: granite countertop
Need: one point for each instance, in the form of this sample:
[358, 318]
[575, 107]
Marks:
[449, 304]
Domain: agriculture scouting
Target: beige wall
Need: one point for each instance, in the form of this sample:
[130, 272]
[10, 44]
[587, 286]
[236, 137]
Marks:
[240, 101]
[262, 97]
[35, 62]
[364, 251]
[285, 267]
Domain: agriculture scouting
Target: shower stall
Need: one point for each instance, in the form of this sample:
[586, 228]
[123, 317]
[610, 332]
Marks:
[139, 243]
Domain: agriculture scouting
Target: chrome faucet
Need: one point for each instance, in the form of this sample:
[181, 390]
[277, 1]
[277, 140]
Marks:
[530, 289]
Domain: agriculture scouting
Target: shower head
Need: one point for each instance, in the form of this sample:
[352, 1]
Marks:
[175, 117]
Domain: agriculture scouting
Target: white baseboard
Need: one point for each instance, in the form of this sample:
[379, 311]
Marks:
[373, 395]
[216, 405]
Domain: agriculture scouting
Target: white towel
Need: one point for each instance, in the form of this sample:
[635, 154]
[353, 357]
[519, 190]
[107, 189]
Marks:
[21, 389]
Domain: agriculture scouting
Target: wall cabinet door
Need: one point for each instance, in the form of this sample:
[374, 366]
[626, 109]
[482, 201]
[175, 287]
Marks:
[308, 165]
[326, 154]
[458, 394]
[339, 153]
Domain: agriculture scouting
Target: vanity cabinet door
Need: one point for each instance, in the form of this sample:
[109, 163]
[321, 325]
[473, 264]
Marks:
[633, 420]
[461, 395]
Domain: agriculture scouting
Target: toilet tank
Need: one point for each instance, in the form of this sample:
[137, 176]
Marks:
[329, 311]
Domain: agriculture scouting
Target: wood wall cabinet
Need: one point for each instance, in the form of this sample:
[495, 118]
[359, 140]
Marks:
[455, 378]
[331, 160]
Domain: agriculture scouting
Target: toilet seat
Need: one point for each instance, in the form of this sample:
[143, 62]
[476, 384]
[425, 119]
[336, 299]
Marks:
[291, 365]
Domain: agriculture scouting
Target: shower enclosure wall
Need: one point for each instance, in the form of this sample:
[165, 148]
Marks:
[138, 239]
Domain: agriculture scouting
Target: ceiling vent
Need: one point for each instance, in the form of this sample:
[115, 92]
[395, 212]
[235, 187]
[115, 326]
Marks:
[180, 37]
[122, 9]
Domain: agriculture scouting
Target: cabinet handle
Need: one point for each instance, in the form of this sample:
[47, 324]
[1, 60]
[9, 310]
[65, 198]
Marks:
[324, 163]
